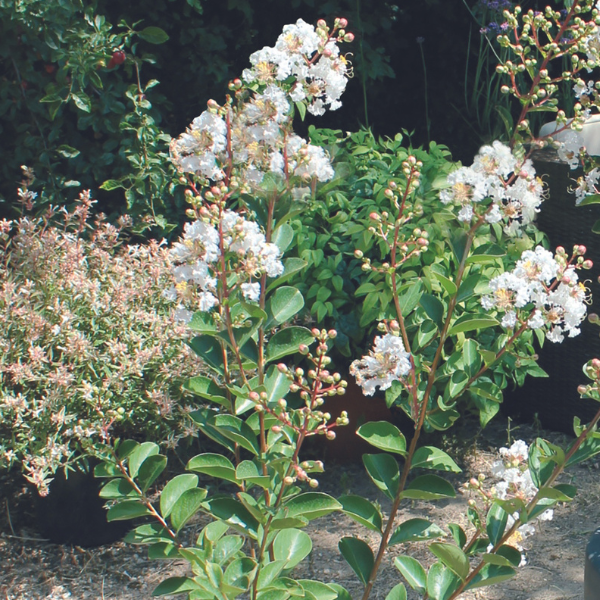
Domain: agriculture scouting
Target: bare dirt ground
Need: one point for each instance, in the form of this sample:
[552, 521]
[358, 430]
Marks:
[36, 570]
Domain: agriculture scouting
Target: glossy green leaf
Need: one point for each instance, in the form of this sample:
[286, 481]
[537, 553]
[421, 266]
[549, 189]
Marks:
[239, 432]
[486, 253]
[175, 585]
[458, 533]
[210, 350]
[287, 341]
[410, 299]
[433, 307]
[139, 455]
[472, 323]
[82, 101]
[453, 557]
[311, 505]
[448, 285]
[150, 470]
[489, 575]
[384, 436]
[186, 506]
[430, 457]
[283, 236]
[206, 388]
[383, 471]
[496, 521]
[148, 534]
[153, 35]
[471, 357]
[428, 487]
[277, 385]
[234, 513]
[248, 471]
[412, 570]
[359, 556]
[320, 591]
[285, 303]
[342, 593]
[362, 511]
[214, 465]
[173, 491]
[292, 266]
[398, 592]
[118, 488]
[291, 546]
[129, 509]
[415, 530]
[590, 199]
[442, 582]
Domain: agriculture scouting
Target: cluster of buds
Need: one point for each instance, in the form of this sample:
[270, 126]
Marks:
[302, 472]
[592, 370]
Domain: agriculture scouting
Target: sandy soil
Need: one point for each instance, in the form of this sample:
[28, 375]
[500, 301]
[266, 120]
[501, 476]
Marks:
[36, 570]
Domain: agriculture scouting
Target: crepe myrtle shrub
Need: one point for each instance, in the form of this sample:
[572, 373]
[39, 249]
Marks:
[468, 296]
[89, 347]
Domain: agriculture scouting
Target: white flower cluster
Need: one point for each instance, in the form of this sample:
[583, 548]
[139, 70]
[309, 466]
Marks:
[558, 297]
[571, 142]
[255, 137]
[515, 481]
[387, 362]
[321, 81]
[509, 182]
[198, 252]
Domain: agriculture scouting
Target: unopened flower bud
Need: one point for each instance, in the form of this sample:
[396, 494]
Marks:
[394, 325]
[282, 368]
[288, 480]
[303, 349]
[330, 435]
[582, 389]
[358, 253]
[593, 318]
[595, 363]
[276, 429]
[587, 264]
[342, 22]
[374, 217]
[313, 483]
[254, 396]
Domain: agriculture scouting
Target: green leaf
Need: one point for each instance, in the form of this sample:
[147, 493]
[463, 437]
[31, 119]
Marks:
[248, 471]
[67, 151]
[291, 267]
[459, 243]
[291, 546]
[412, 571]
[441, 582]
[277, 385]
[430, 457]
[301, 107]
[148, 534]
[238, 431]
[471, 357]
[362, 511]
[311, 505]
[453, 557]
[186, 506]
[173, 491]
[283, 237]
[448, 285]
[428, 487]
[384, 436]
[591, 199]
[210, 350]
[111, 184]
[205, 387]
[491, 574]
[234, 513]
[285, 303]
[410, 300]
[496, 521]
[596, 227]
[106, 469]
[203, 322]
[433, 307]
[458, 533]
[129, 509]
[398, 592]
[176, 585]
[118, 488]
[486, 253]
[153, 35]
[320, 591]
[472, 322]
[286, 342]
[415, 530]
[359, 556]
[342, 594]
[139, 455]
[82, 101]
[214, 465]
[151, 468]
[383, 471]
[511, 554]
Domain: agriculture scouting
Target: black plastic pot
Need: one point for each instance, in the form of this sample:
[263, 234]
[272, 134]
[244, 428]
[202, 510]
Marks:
[591, 582]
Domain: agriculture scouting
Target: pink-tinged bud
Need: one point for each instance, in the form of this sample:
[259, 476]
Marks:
[580, 250]
[282, 368]
[332, 334]
[212, 104]
[422, 242]
[582, 389]
[593, 318]
[276, 429]
[388, 193]
[315, 332]
[587, 264]
[254, 396]
[303, 349]
[313, 483]
[327, 52]
[596, 363]
[394, 325]
[349, 38]
[566, 280]
[343, 22]
[321, 23]
[288, 480]
[474, 482]
[560, 250]
[374, 217]
[358, 253]
[237, 83]
[330, 435]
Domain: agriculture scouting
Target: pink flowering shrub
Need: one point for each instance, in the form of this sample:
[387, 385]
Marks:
[89, 347]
